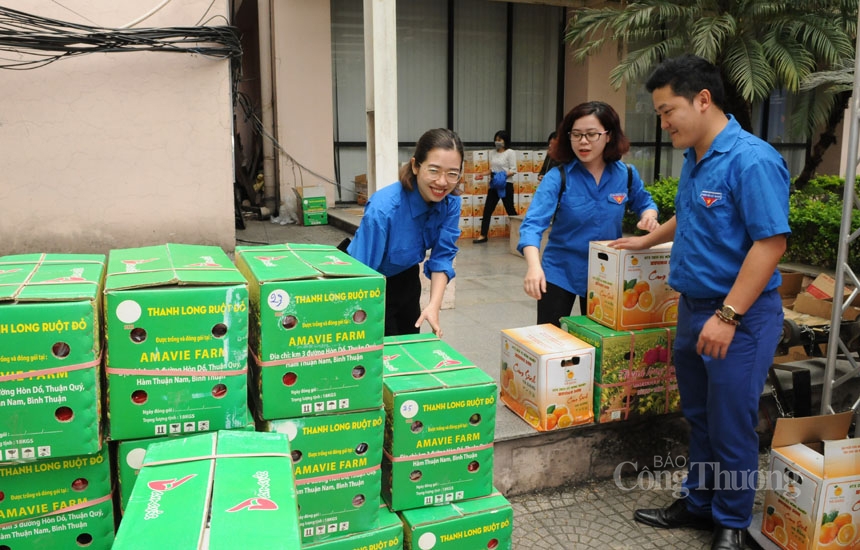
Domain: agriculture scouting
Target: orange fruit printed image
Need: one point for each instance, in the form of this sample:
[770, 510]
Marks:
[847, 533]
[843, 519]
[631, 298]
[646, 300]
[670, 314]
[828, 533]
[641, 286]
[593, 303]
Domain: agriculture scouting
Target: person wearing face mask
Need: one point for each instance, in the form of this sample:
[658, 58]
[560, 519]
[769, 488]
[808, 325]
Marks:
[587, 205]
[402, 221]
[502, 160]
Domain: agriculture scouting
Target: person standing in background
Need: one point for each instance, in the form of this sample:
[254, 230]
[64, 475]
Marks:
[549, 160]
[598, 188]
[729, 232]
[503, 160]
[402, 221]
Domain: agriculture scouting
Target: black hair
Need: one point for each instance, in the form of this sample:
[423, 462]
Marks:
[438, 138]
[504, 136]
[688, 75]
[618, 143]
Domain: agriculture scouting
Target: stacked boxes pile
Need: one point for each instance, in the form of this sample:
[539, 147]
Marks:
[438, 465]
[316, 345]
[56, 490]
[476, 185]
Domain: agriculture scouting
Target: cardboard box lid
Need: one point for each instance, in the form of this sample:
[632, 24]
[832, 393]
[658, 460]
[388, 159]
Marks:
[289, 262]
[807, 303]
[420, 354]
[791, 285]
[547, 339]
[310, 191]
[51, 277]
[811, 429]
[590, 325]
[170, 264]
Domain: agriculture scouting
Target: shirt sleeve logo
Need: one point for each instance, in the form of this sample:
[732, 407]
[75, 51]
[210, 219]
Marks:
[618, 197]
[710, 197]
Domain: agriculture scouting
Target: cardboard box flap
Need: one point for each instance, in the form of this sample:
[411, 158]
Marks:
[421, 357]
[289, 262]
[51, 277]
[811, 429]
[546, 339]
[424, 381]
[841, 458]
[170, 264]
[429, 515]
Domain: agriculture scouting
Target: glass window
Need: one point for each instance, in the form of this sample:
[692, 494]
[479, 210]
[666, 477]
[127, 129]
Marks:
[534, 72]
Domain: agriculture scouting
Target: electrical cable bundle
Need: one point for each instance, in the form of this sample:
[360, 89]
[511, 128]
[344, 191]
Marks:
[37, 41]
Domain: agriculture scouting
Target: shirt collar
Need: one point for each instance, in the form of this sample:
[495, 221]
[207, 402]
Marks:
[724, 141]
[417, 205]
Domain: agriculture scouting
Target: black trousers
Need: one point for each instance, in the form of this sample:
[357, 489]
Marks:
[403, 302]
[492, 201]
[557, 303]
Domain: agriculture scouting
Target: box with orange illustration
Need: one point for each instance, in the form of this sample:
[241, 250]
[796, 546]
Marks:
[498, 226]
[629, 289]
[525, 161]
[476, 162]
[547, 376]
[522, 203]
[528, 182]
[812, 498]
[538, 160]
[466, 202]
[467, 225]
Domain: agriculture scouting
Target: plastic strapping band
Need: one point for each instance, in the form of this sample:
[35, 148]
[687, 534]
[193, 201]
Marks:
[216, 456]
[342, 475]
[73, 508]
[55, 370]
[175, 372]
[294, 360]
[437, 453]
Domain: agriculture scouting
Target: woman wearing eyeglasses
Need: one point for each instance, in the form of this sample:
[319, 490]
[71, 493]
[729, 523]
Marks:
[502, 161]
[402, 221]
[589, 207]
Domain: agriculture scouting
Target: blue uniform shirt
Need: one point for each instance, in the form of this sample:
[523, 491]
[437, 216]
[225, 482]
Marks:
[588, 212]
[399, 227]
[737, 194]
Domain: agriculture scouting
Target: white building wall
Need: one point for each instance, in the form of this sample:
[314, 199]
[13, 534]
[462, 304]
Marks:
[117, 150]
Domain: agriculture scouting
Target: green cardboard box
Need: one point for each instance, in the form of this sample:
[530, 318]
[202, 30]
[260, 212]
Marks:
[128, 456]
[176, 320]
[312, 205]
[485, 522]
[239, 483]
[50, 355]
[440, 424]
[36, 491]
[91, 527]
[386, 534]
[317, 321]
[634, 375]
[336, 461]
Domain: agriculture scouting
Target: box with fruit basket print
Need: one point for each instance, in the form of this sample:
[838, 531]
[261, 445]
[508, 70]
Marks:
[634, 375]
[629, 289]
[547, 377]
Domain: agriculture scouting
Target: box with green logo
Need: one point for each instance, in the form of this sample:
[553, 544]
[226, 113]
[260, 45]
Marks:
[440, 424]
[45, 488]
[176, 326]
[50, 355]
[312, 205]
[485, 522]
[317, 321]
[238, 483]
[386, 534]
[90, 526]
[336, 461]
[634, 375]
[128, 456]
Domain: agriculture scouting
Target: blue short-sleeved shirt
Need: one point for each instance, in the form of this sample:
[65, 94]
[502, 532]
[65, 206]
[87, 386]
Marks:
[587, 212]
[398, 228]
[735, 195]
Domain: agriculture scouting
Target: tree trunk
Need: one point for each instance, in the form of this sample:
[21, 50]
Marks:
[825, 140]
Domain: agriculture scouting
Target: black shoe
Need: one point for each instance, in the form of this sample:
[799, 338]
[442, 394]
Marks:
[728, 539]
[673, 517]
[480, 240]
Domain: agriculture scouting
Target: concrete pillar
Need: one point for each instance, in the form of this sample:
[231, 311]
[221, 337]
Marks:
[380, 53]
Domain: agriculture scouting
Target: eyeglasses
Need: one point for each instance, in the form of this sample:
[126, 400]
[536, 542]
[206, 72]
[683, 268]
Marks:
[590, 136]
[451, 176]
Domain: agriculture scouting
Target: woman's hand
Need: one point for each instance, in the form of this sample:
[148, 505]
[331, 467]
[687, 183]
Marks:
[534, 283]
[431, 315]
[648, 223]
[629, 243]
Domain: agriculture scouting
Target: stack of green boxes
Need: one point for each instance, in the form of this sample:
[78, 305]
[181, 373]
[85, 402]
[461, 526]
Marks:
[438, 466]
[56, 489]
[176, 334]
[634, 375]
[316, 353]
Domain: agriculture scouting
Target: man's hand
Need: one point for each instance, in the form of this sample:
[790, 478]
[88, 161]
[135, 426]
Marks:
[715, 338]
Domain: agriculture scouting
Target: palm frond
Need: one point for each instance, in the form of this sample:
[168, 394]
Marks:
[791, 62]
[637, 64]
[748, 70]
[710, 33]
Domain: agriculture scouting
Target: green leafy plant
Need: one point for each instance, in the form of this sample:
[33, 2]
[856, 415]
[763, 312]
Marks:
[814, 215]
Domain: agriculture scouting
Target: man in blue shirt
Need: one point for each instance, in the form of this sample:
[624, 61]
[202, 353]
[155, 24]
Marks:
[402, 221]
[729, 233]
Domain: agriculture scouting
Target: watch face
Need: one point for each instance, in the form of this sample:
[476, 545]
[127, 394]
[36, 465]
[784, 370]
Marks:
[729, 312]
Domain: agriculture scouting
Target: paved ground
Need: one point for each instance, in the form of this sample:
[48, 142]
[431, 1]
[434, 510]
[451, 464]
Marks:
[489, 297]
